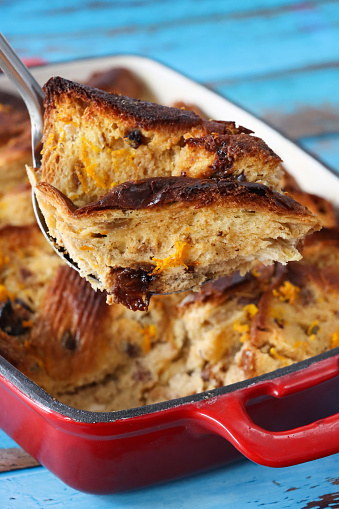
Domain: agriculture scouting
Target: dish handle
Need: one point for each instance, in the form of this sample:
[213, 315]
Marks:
[228, 417]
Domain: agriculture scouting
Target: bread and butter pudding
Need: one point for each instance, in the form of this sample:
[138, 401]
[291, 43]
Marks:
[150, 199]
[59, 332]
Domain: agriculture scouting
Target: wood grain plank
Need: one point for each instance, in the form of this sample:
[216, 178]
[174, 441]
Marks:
[239, 485]
[302, 103]
[198, 39]
[143, 12]
[15, 458]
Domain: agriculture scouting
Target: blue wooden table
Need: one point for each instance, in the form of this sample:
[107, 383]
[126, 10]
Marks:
[277, 58]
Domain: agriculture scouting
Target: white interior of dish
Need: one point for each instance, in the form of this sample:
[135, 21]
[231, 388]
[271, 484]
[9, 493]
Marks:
[169, 86]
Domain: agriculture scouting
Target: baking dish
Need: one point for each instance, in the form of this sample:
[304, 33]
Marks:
[279, 419]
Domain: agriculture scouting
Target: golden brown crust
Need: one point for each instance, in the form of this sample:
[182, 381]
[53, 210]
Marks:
[73, 317]
[228, 148]
[101, 140]
[319, 206]
[322, 208]
[145, 114]
[160, 191]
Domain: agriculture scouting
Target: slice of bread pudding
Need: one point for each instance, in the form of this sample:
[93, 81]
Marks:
[152, 199]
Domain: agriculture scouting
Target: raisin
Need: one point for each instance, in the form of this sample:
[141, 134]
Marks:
[69, 340]
[134, 139]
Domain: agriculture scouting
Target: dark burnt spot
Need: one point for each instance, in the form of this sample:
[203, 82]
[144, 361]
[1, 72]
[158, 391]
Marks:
[222, 152]
[132, 350]
[145, 114]
[160, 191]
[280, 322]
[98, 235]
[25, 273]
[314, 330]
[131, 287]
[69, 340]
[257, 189]
[23, 304]
[321, 209]
[241, 177]
[12, 316]
[134, 139]
[190, 269]
[219, 233]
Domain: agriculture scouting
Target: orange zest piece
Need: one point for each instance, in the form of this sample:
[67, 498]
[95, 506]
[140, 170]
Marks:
[243, 329]
[277, 355]
[125, 152]
[3, 293]
[173, 260]
[49, 141]
[255, 273]
[287, 292]
[89, 165]
[27, 323]
[91, 145]
[302, 344]
[67, 120]
[86, 248]
[251, 310]
[335, 339]
[150, 333]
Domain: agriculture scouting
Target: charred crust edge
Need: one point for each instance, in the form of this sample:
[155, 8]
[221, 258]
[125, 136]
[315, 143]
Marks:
[159, 191]
[136, 112]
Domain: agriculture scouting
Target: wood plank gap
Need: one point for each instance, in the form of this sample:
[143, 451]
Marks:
[274, 74]
[186, 21]
[15, 458]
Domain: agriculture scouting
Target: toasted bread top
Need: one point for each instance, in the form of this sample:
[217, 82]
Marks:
[159, 191]
[146, 114]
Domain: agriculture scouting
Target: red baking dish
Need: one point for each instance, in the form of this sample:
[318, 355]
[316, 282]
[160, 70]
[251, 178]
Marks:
[283, 418]
[116, 451]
